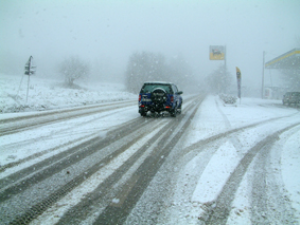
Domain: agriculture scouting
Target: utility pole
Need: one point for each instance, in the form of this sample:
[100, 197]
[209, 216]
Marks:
[225, 57]
[263, 76]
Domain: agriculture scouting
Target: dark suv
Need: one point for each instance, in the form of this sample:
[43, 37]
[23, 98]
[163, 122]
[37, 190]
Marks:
[290, 98]
[159, 97]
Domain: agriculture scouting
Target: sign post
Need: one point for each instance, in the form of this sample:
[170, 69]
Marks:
[263, 77]
[29, 70]
[239, 81]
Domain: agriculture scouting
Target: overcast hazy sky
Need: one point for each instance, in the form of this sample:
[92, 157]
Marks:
[51, 30]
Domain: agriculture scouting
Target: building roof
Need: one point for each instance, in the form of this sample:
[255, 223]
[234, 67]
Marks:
[289, 60]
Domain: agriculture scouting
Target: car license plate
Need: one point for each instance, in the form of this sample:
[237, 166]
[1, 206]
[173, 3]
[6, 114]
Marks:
[146, 100]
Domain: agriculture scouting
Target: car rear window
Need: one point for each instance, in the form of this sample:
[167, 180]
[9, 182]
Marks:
[293, 94]
[147, 88]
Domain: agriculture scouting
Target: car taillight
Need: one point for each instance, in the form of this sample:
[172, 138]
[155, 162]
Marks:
[140, 97]
[172, 99]
[168, 107]
[142, 106]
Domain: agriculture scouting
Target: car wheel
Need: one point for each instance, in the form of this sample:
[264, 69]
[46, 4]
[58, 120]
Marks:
[143, 113]
[174, 112]
[179, 109]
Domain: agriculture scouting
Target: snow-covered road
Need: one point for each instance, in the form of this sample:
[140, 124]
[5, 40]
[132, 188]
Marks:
[214, 164]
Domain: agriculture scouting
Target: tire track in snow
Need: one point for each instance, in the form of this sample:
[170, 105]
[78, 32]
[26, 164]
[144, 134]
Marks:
[49, 166]
[218, 211]
[36, 207]
[234, 140]
[22, 123]
[269, 204]
[198, 144]
[118, 214]
[104, 194]
[29, 141]
[188, 154]
[18, 183]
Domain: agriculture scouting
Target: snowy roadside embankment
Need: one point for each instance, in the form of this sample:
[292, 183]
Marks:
[47, 94]
[290, 170]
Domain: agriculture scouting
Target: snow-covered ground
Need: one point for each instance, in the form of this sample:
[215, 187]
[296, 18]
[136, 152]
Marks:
[47, 93]
[212, 118]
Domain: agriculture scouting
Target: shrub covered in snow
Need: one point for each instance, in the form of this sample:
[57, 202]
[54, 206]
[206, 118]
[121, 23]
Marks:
[228, 99]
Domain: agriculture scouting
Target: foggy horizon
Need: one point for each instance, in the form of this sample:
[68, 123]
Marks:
[107, 33]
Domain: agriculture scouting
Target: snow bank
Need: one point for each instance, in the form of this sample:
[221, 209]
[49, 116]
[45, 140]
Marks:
[46, 94]
[290, 169]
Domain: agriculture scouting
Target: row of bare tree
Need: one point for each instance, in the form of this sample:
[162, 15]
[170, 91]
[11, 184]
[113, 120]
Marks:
[141, 67]
[148, 66]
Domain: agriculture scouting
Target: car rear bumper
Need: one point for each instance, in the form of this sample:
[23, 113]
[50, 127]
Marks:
[154, 108]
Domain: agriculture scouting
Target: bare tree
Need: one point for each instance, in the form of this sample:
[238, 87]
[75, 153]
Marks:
[219, 81]
[180, 72]
[148, 66]
[74, 68]
[143, 67]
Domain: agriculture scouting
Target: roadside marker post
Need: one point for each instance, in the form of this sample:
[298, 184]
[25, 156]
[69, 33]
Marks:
[239, 81]
[29, 70]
